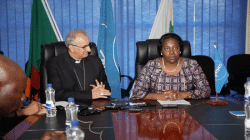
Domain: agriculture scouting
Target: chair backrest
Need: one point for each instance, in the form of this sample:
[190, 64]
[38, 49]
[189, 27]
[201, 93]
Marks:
[47, 52]
[238, 67]
[148, 50]
[207, 65]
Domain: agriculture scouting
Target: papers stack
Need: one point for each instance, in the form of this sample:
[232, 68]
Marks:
[173, 103]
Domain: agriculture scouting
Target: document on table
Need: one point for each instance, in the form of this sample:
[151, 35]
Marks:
[176, 102]
[60, 103]
[238, 113]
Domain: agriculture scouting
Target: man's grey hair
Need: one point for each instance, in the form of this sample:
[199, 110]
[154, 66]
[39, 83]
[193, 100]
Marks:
[70, 39]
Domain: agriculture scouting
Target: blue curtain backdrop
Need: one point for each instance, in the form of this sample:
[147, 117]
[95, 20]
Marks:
[221, 21]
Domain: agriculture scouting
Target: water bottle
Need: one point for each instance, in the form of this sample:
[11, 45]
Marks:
[50, 101]
[247, 109]
[71, 112]
[74, 133]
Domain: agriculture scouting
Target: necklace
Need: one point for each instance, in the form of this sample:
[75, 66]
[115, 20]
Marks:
[172, 70]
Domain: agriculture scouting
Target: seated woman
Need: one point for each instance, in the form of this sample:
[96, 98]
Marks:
[171, 77]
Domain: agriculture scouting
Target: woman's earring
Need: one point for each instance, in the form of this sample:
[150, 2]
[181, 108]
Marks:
[180, 52]
[161, 53]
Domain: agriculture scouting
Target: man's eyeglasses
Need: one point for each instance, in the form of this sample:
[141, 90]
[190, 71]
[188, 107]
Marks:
[81, 47]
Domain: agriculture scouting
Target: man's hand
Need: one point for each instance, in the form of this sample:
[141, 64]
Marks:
[99, 91]
[53, 135]
[31, 109]
[98, 85]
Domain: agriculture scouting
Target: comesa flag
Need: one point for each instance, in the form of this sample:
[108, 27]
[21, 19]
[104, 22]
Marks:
[43, 30]
[107, 47]
[221, 73]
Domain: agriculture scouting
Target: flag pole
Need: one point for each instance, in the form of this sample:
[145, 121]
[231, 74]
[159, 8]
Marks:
[216, 92]
[216, 102]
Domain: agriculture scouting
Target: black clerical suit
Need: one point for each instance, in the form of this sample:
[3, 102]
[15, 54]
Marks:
[71, 79]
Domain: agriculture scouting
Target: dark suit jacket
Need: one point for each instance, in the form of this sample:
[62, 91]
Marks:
[7, 124]
[64, 80]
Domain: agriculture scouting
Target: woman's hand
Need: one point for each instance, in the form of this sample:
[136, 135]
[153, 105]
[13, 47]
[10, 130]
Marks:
[171, 95]
[184, 95]
[168, 95]
[176, 95]
[156, 96]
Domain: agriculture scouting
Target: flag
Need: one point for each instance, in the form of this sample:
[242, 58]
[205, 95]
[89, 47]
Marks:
[43, 30]
[163, 20]
[220, 71]
[171, 28]
[107, 49]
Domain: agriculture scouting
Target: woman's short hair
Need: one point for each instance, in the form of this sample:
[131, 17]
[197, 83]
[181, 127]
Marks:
[167, 36]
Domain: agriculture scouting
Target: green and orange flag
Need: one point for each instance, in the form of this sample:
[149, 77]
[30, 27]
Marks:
[43, 30]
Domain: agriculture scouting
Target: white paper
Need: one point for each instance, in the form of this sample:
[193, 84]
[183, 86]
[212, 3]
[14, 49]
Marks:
[178, 102]
[60, 103]
[138, 103]
[238, 113]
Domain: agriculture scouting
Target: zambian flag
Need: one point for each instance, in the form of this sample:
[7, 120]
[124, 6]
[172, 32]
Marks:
[43, 30]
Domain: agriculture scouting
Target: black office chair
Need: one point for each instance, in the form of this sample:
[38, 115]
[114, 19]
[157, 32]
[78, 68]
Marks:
[238, 67]
[207, 65]
[148, 50]
[125, 92]
[51, 50]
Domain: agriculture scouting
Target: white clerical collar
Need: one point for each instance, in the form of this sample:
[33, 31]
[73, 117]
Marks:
[78, 61]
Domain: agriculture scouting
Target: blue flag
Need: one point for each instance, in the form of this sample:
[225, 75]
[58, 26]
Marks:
[107, 47]
[220, 71]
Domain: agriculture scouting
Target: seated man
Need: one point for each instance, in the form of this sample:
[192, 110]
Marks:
[74, 73]
[12, 86]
